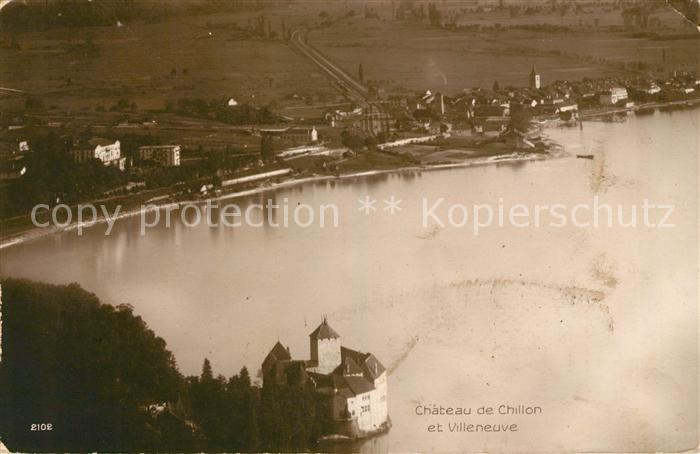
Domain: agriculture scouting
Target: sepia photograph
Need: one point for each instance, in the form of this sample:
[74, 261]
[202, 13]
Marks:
[349, 226]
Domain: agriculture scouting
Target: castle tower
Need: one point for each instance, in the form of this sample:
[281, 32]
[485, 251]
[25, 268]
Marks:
[534, 79]
[325, 348]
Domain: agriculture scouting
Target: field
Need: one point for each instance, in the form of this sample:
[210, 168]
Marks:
[595, 44]
[149, 64]
[204, 56]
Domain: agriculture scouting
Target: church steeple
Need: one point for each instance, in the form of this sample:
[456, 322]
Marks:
[534, 79]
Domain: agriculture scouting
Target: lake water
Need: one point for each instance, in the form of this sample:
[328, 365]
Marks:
[598, 326]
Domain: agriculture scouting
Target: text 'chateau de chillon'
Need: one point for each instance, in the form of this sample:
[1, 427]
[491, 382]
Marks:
[352, 385]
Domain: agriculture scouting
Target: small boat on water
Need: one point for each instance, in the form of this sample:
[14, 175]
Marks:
[584, 156]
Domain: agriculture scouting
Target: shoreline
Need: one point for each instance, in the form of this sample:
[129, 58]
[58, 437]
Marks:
[590, 114]
[35, 233]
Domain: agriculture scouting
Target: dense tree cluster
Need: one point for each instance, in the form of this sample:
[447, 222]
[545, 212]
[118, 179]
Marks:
[353, 141]
[407, 9]
[289, 419]
[434, 15]
[637, 15]
[267, 148]
[83, 367]
[520, 119]
[226, 410]
[105, 382]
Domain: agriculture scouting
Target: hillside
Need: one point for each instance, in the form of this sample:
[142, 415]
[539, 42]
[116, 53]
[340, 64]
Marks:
[78, 375]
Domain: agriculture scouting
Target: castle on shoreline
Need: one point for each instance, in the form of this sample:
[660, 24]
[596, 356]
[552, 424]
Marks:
[352, 385]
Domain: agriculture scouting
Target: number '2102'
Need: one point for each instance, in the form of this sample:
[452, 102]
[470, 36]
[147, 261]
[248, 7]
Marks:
[41, 427]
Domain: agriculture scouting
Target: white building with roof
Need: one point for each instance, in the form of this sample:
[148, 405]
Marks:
[613, 96]
[108, 152]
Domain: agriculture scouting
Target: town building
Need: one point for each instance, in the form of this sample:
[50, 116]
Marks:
[374, 121]
[462, 129]
[108, 152]
[650, 88]
[425, 100]
[396, 101]
[553, 100]
[438, 127]
[491, 127]
[491, 111]
[569, 106]
[164, 155]
[352, 385]
[295, 135]
[613, 96]
[535, 81]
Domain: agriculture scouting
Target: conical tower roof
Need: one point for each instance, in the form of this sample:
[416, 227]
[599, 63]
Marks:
[324, 331]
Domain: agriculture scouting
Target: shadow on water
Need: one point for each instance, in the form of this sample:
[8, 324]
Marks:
[515, 165]
[375, 180]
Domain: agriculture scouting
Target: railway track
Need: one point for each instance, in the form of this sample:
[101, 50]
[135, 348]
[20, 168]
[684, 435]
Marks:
[345, 83]
[375, 118]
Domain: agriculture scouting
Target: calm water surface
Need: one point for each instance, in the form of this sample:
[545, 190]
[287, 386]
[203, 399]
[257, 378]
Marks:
[598, 326]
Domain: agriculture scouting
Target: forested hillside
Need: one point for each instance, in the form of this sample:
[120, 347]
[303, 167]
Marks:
[78, 375]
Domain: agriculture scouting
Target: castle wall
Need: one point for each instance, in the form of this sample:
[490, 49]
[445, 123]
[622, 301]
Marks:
[379, 402]
[370, 409]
